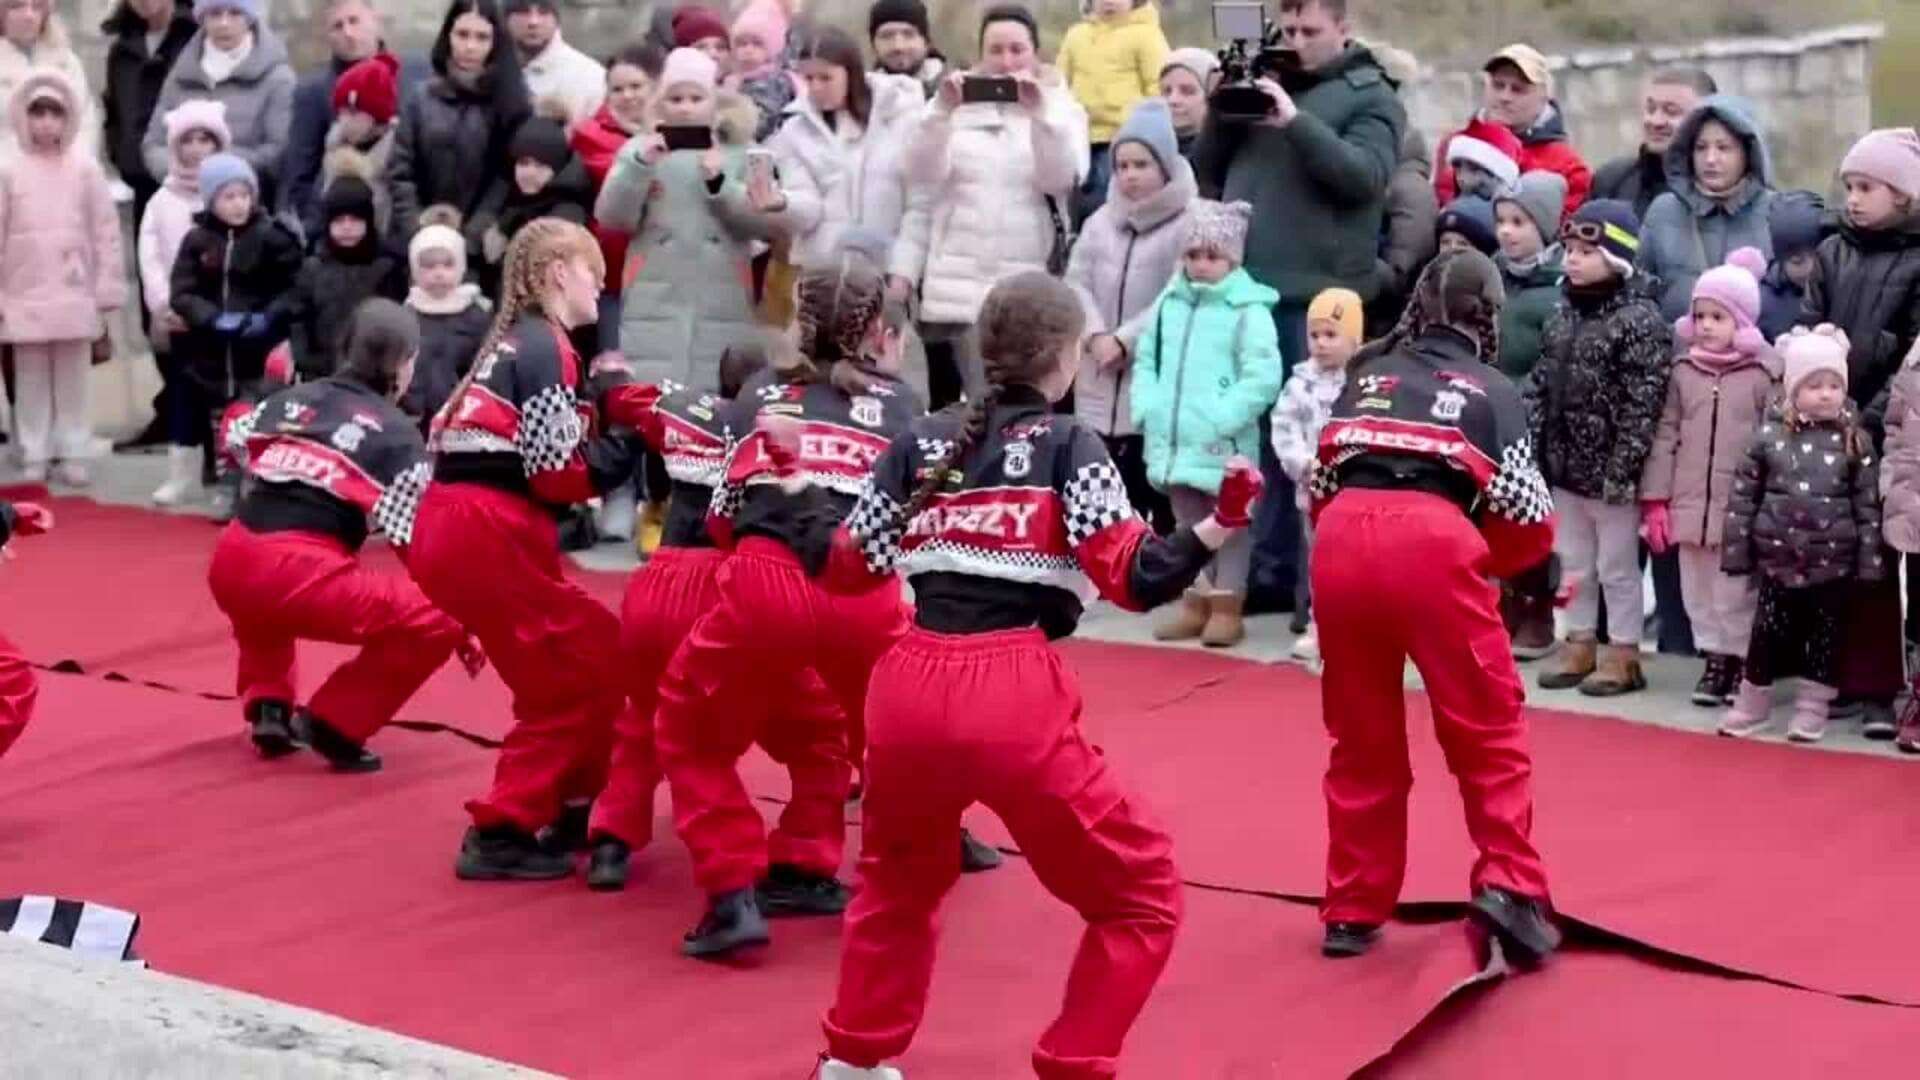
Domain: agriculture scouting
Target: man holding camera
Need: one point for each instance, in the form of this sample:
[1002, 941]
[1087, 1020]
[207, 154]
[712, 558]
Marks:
[1315, 168]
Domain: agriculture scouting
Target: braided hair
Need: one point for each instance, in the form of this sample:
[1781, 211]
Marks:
[538, 245]
[1023, 324]
[1460, 289]
[836, 310]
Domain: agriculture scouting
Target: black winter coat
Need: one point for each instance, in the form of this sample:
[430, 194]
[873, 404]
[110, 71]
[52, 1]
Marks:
[1803, 511]
[1639, 178]
[447, 347]
[134, 78]
[451, 147]
[1594, 397]
[1868, 284]
[331, 284]
[221, 269]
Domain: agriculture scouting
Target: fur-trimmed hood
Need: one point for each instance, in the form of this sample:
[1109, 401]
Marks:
[45, 82]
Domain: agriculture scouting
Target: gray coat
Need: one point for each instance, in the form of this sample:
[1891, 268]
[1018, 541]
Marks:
[1686, 233]
[258, 96]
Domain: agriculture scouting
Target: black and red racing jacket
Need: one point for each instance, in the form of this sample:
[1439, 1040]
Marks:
[687, 428]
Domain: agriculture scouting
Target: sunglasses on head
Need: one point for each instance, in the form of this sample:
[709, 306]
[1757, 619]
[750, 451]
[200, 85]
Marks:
[1599, 232]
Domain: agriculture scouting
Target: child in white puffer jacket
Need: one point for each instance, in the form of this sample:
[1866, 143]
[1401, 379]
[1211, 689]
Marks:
[1334, 330]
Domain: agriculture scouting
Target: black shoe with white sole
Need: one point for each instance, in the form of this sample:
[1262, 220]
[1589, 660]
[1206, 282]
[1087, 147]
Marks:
[1344, 940]
[977, 856]
[1523, 925]
[732, 921]
[342, 754]
[506, 853]
[789, 891]
[271, 728]
[607, 865]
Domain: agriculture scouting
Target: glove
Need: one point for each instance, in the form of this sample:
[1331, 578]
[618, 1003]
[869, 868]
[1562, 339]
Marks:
[258, 325]
[31, 519]
[1656, 525]
[782, 441]
[472, 657]
[230, 323]
[1239, 489]
[279, 370]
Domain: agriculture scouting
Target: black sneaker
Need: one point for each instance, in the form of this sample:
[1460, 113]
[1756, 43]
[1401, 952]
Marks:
[1707, 691]
[272, 724]
[1348, 939]
[1299, 622]
[1877, 721]
[607, 866]
[1732, 670]
[977, 856]
[568, 833]
[789, 890]
[342, 754]
[732, 921]
[504, 853]
[1523, 925]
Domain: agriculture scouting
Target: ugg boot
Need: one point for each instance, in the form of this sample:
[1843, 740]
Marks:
[1572, 666]
[1186, 620]
[183, 466]
[831, 1069]
[1225, 626]
[1809, 724]
[1749, 714]
[1618, 672]
[652, 525]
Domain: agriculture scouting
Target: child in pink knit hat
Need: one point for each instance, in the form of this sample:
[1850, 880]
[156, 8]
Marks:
[760, 62]
[1717, 396]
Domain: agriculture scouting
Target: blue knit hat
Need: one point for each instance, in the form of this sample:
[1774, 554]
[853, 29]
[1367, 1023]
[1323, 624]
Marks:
[1151, 125]
[1798, 222]
[249, 8]
[1472, 217]
[219, 170]
[1611, 226]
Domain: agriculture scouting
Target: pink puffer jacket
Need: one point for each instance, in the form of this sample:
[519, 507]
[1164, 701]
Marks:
[1703, 432]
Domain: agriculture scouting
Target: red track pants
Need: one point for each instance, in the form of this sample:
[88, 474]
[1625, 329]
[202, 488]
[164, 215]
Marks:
[278, 588]
[772, 624]
[491, 559]
[995, 719]
[663, 601]
[18, 689]
[1407, 576]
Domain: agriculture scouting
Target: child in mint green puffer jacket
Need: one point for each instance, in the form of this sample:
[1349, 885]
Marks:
[1204, 372]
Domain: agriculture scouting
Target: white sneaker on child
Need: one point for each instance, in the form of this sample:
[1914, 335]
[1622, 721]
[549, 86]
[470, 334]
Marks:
[1306, 647]
[34, 473]
[74, 474]
[840, 1070]
[183, 471]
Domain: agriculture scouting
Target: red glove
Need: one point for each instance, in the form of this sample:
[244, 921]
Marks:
[1239, 489]
[471, 656]
[781, 435]
[31, 519]
[280, 365]
[1656, 525]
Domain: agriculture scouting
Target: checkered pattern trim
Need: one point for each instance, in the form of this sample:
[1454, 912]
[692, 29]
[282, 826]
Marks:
[241, 430]
[394, 511]
[727, 496]
[877, 524]
[939, 555]
[549, 431]
[1517, 491]
[932, 450]
[1093, 499]
[702, 470]
[469, 441]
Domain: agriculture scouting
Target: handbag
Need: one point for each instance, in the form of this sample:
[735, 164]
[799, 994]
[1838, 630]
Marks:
[1062, 239]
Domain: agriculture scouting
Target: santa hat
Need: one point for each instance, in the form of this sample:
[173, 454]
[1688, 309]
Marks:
[1806, 352]
[689, 66]
[370, 86]
[1735, 286]
[1490, 158]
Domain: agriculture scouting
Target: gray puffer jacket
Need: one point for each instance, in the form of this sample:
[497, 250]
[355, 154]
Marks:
[1805, 510]
[1686, 232]
[258, 96]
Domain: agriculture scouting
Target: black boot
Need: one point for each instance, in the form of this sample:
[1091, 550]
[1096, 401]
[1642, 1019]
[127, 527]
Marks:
[732, 921]
[1732, 668]
[504, 853]
[977, 856]
[607, 866]
[789, 890]
[1877, 720]
[1348, 939]
[1523, 925]
[342, 753]
[272, 724]
[1708, 690]
[568, 833]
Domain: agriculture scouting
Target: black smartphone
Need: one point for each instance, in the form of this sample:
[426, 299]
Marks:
[686, 136]
[989, 88]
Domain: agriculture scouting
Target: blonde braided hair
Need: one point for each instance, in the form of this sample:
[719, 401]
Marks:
[538, 245]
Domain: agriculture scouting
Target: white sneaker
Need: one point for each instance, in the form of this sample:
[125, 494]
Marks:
[617, 516]
[34, 473]
[840, 1070]
[74, 474]
[1307, 646]
[182, 475]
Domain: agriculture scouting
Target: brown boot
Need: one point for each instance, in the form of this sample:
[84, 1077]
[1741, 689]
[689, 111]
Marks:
[1617, 673]
[1185, 621]
[1533, 632]
[1573, 664]
[1225, 626]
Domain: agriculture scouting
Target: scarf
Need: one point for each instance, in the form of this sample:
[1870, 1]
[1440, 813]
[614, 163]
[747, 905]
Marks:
[1717, 361]
[220, 64]
[460, 299]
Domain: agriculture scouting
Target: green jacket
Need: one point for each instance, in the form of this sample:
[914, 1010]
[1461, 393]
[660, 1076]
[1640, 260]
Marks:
[1204, 372]
[1318, 186]
[1530, 299]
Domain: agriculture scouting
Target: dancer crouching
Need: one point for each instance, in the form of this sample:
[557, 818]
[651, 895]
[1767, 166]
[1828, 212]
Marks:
[1426, 476]
[326, 462]
[18, 686]
[515, 443]
[1007, 518]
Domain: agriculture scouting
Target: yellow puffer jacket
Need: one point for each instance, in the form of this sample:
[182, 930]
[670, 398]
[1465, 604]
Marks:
[1112, 63]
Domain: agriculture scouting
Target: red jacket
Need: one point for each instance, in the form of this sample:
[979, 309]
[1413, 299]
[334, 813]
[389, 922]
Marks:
[1543, 147]
[595, 141]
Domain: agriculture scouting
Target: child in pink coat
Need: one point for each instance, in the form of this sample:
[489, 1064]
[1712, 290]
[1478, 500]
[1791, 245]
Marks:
[60, 268]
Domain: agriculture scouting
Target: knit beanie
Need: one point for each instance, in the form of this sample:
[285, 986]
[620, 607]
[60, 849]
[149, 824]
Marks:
[370, 86]
[1618, 231]
[348, 196]
[689, 66]
[911, 12]
[1797, 222]
[1889, 155]
[1472, 217]
[1541, 195]
[1202, 62]
[219, 170]
[542, 140]
[1340, 307]
[249, 8]
[198, 114]
[1805, 352]
[1218, 226]
[766, 20]
[438, 238]
[694, 23]
[1735, 286]
[1150, 123]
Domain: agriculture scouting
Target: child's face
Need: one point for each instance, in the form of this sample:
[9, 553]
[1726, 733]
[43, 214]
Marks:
[357, 126]
[1136, 172]
[1519, 236]
[225, 27]
[1799, 267]
[750, 52]
[717, 50]
[1206, 265]
[1453, 241]
[628, 90]
[1107, 9]
[530, 176]
[434, 272]
[1820, 396]
[686, 104]
[1471, 179]
[1186, 99]
[195, 145]
[347, 230]
[1585, 265]
[1713, 325]
[1872, 204]
[46, 126]
[1327, 345]
[233, 204]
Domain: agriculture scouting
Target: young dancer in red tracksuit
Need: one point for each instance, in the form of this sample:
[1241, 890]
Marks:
[1426, 477]
[772, 624]
[1007, 518]
[514, 443]
[325, 460]
[18, 687]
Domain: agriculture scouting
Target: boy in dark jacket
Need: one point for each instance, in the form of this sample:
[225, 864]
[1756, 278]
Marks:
[350, 266]
[545, 180]
[1595, 398]
[453, 316]
[1798, 224]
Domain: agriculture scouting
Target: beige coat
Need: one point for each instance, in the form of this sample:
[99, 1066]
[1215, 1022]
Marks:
[1702, 437]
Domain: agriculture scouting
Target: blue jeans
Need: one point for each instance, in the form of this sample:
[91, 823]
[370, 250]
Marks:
[1277, 564]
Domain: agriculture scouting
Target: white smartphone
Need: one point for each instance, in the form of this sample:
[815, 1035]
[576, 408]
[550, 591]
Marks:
[760, 171]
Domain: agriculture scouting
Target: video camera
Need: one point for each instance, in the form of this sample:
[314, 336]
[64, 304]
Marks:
[1252, 51]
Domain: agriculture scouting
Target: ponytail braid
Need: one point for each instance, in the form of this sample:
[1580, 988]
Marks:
[836, 310]
[535, 248]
